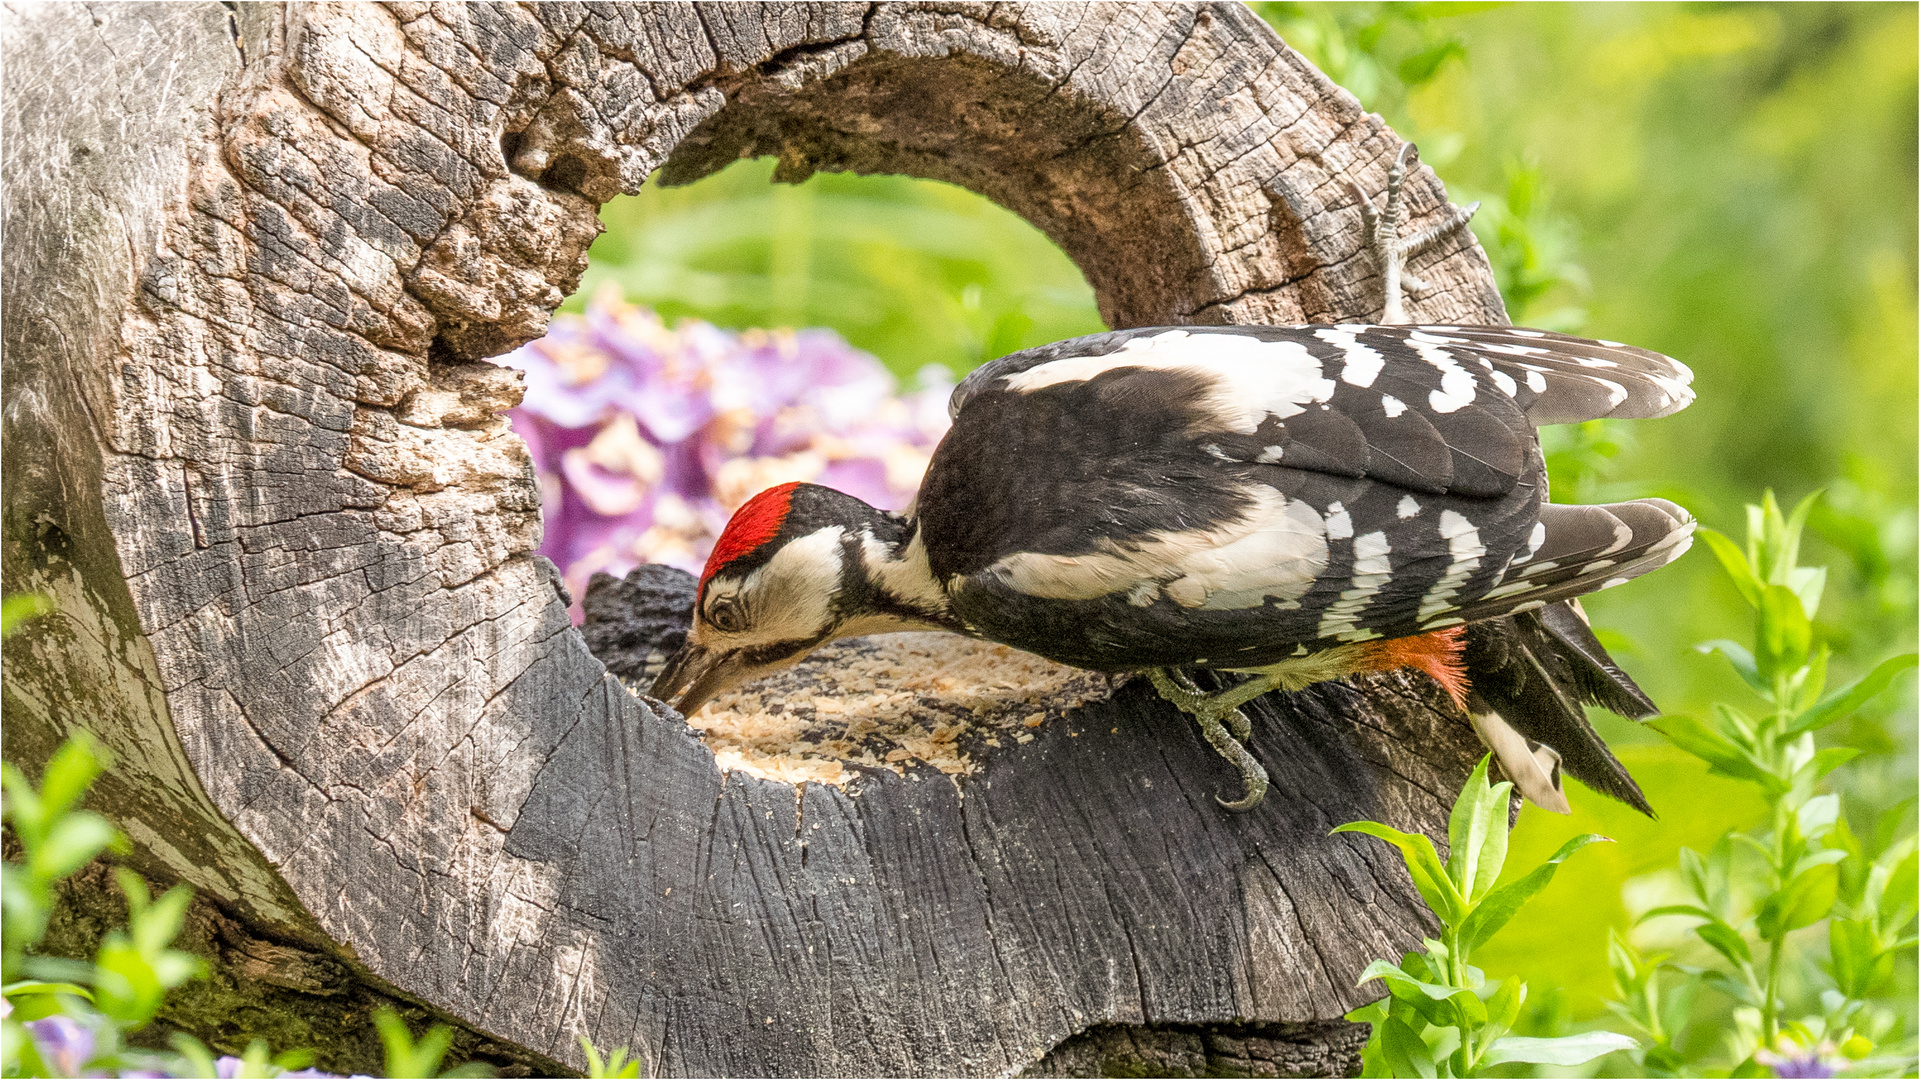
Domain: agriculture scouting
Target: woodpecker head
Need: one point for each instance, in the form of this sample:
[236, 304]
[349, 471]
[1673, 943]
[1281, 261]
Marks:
[799, 565]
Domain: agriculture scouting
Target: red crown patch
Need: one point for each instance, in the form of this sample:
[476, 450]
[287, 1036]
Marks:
[757, 521]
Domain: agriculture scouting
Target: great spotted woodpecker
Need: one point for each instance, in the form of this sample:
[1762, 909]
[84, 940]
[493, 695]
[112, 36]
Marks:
[1299, 503]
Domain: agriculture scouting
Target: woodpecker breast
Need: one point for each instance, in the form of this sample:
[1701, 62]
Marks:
[1233, 496]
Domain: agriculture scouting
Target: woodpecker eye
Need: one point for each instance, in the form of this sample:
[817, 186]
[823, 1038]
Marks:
[726, 617]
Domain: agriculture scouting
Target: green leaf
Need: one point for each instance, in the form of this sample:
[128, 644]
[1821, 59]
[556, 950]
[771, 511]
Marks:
[156, 927]
[1830, 759]
[1846, 702]
[1371, 1013]
[1470, 1013]
[1477, 834]
[70, 772]
[1431, 1000]
[1898, 902]
[24, 809]
[72, 843]
[1859, 964]
[1783, 635]
[1504, 902]
[1816, 816]
[1406, 1052]
[34, 1000]
[1425, 64]
[1804, 901]
[1726, 941]
[126, 988]
[1566, 1050]
[1808, 583]
[1741, 659]
[1808, 684]
[1423, 865]
[1694, 869]
[1734, 561]
[614, 1066]
[1504, 1007]
[1381, 969]
[1786, 546]
[20, 607]
[199, 1059]
[1710, 746]
[1676, 909]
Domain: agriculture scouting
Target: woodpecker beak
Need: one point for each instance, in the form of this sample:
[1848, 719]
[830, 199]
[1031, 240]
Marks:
[695, 675]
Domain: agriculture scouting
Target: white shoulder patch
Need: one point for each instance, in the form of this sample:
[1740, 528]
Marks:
[1250, 379]
[1274, 552]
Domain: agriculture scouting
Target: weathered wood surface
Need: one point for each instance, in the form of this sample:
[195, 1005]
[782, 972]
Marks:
[251, 258]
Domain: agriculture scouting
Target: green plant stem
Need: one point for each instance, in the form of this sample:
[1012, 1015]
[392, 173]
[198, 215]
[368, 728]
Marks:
[1770, 1010]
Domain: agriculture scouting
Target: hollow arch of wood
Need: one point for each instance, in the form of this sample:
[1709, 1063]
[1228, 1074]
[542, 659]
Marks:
[251, 454]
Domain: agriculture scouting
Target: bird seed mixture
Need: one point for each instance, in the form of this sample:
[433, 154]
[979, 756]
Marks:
[891, 701]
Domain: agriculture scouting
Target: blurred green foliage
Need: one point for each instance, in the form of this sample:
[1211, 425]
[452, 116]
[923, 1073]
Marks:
[915, 272]
[1731, 184]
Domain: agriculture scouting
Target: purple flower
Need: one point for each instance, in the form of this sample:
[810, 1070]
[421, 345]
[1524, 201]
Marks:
[645, 438]
[65, 1044]
[1798, 1061]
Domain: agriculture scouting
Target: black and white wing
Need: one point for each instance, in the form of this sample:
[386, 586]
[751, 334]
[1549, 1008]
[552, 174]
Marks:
[1244, 490]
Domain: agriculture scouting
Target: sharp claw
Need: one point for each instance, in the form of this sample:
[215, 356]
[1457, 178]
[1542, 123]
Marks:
[1225, 727]
[1382, 229]
[1251, 772]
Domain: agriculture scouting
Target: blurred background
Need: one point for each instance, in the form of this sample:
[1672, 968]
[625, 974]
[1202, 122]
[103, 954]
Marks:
[1732, 185]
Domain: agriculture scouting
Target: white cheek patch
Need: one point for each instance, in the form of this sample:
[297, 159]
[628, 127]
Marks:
[791, 597]
[1250, 379]
[1274, 552]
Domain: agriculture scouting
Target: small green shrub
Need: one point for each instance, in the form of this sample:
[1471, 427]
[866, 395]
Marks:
[1441, 1016]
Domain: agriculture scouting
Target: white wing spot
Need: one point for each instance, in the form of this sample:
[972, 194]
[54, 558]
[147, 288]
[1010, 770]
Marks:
[1371, 572]
[1270, 455]
[1409, 507]
[1465, 550]
[1339, 522]
[1392, 406]
[1457, 386]
[1363, 362]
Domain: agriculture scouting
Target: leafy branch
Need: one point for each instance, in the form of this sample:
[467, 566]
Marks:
[1441, 1016]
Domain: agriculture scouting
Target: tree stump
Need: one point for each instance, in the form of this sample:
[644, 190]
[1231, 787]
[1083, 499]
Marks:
[255, 255]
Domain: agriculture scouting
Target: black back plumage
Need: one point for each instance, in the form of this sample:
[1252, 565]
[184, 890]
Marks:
[1108, 501]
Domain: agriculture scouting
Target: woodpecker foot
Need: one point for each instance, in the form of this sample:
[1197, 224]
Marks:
[1382, 235]
[1226, 728]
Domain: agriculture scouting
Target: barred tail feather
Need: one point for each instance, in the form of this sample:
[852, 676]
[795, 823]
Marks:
[1583, 549]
